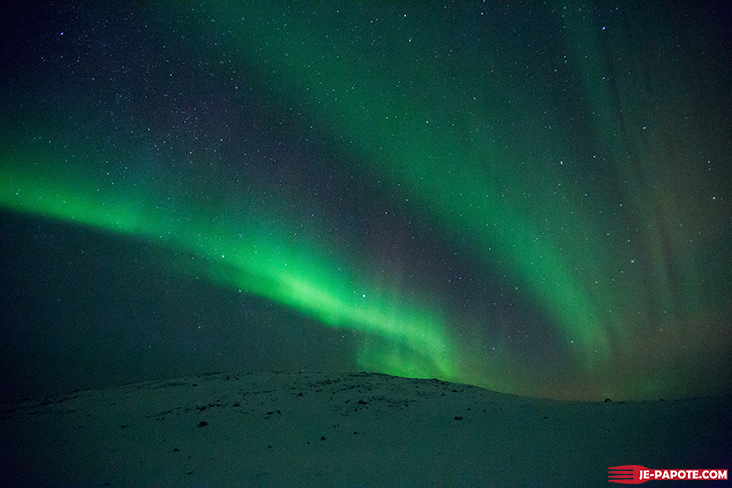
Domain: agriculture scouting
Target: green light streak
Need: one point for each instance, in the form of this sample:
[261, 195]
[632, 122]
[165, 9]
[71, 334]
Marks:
[592, 221]
[266, 264]
[463, 160]
[408, 141]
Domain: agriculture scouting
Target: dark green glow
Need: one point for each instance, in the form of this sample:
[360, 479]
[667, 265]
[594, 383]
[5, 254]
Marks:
[453, 156]
[554, 158]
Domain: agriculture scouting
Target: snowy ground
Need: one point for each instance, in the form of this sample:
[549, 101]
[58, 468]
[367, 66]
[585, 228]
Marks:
[317, 429]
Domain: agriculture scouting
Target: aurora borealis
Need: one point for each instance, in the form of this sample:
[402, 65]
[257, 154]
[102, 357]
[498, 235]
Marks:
[533, 199]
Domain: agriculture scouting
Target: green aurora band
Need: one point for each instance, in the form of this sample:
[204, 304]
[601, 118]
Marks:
[255, 259]
[591, 218]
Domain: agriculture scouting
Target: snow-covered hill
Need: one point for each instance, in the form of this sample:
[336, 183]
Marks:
[367, 429]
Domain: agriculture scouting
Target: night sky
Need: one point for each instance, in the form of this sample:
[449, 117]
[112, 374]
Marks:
[530, 198]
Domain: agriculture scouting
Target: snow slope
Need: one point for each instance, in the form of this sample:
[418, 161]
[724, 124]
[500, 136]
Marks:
[367, 429]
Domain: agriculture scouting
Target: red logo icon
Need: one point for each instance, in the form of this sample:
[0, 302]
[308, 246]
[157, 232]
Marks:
[632, 474]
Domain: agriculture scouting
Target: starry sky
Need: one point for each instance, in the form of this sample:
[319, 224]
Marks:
[529, 198]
